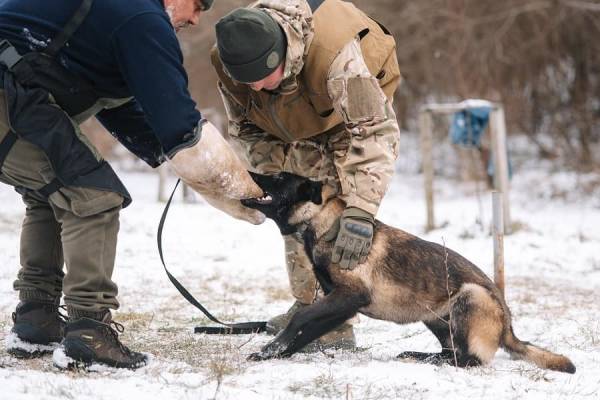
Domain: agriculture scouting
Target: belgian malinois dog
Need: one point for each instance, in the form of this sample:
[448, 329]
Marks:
[404, 279]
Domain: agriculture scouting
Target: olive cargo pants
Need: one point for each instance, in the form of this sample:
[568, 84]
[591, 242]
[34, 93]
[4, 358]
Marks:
[74, 226]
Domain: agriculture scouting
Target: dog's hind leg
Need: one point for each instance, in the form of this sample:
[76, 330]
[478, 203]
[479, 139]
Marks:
[470, 334]
[441, 329]
[313, 321]
[477, 321]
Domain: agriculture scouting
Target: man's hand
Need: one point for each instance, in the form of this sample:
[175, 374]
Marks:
[212, 169]
[354, 238]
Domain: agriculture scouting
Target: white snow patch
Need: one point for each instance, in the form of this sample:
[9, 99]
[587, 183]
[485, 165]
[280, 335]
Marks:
[475, 103]
[237, 271]
[34, 44]
[12, 341]
[60, 359]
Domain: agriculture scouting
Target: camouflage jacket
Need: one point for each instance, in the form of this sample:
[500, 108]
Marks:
[363, 154]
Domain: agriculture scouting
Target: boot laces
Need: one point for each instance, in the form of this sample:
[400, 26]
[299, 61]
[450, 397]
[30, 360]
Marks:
[59, 311]
[112, 331]
[52, 308]
[62, 316]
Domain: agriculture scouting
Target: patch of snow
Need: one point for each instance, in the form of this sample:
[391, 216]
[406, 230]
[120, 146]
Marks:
[60, 359]
[474, 103]
[12, 341]
[34, 44]
[237, 271]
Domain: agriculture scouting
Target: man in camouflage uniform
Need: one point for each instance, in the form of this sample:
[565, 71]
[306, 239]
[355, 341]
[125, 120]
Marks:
[312, 97]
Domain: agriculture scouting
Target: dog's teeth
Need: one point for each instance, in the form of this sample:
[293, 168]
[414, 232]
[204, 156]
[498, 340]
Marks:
[264, 199]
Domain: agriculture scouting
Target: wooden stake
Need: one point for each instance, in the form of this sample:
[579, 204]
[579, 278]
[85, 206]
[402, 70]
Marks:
[501, 182]
[425, 129]
[498, 236]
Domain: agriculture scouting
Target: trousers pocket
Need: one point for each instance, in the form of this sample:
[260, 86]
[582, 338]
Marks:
[85, 202]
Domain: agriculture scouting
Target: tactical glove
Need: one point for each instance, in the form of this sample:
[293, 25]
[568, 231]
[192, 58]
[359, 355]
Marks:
[354, 238]
[212, 169]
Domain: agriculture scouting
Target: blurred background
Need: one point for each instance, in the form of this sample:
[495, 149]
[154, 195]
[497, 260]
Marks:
[539, 58]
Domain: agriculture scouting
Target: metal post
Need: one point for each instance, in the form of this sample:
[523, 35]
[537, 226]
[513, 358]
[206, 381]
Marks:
[425, 128]
[499, 149]
[498, 236]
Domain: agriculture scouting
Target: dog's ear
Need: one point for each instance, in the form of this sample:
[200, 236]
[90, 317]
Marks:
[316, 192]
[311, 190]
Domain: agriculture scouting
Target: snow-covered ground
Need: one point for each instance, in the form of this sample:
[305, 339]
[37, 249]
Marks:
[236, 270]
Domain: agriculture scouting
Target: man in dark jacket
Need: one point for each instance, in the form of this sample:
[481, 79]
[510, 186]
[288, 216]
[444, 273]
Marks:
[61, 63]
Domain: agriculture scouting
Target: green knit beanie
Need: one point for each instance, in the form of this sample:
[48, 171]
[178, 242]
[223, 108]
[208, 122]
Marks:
[251, 44]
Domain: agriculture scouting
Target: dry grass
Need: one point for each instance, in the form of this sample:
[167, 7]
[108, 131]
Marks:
[327, 386]
[557, 299]
[588, 334]
[533, 374]
[133, 320]
[519, 226]
[277, 293]
[323, 386]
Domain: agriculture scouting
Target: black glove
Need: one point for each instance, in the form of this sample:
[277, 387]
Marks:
[354, 238]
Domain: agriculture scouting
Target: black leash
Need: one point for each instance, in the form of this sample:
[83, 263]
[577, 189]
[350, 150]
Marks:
[226, 329]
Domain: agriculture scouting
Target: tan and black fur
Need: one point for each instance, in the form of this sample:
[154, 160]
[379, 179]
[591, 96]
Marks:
[404, 279]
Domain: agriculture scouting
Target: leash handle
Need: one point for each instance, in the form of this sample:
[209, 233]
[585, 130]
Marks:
[233, 328]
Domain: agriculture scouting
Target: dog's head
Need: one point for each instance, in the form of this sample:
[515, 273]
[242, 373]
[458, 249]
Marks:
[286, 198]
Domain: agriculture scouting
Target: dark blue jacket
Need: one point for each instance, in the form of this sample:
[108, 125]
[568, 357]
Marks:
[125, 47]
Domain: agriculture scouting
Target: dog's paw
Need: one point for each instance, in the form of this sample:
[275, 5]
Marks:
[274, 349]
[427, 358]
[415, 355]
[260, 356]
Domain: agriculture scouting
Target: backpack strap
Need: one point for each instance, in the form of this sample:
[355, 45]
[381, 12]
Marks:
[74, 23]
[7, 144]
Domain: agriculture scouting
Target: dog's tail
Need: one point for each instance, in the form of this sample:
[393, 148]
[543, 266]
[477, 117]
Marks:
[529, 352]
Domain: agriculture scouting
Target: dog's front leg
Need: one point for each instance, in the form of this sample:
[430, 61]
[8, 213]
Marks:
[312, 322]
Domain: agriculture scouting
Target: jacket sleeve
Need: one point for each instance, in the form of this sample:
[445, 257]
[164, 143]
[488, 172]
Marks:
[262, 151]
[127, 123]
[151, 62]
[365, 163]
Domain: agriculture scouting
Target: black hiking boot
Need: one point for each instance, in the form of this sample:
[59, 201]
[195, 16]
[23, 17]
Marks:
[88, 341]
[38, 328]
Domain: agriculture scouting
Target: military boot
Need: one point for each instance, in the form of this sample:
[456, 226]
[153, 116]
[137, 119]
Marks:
[341, 338]
[38, 328]
[88, 341]
[279, 322]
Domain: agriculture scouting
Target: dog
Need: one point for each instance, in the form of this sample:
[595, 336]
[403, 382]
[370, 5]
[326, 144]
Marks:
[404, 280]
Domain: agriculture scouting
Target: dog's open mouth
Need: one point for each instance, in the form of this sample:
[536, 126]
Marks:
[265, 200]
